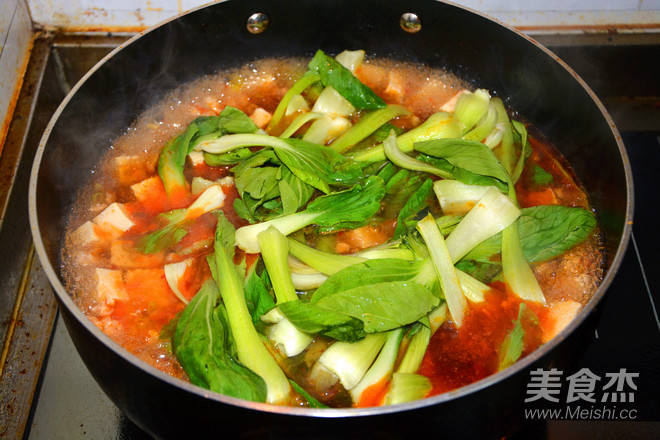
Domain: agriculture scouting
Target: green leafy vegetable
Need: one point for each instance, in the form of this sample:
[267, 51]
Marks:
[444, 267]
[203, 344]
[314, 164]
[231, 158]
[417, 202]
[312, 319]
[546, 231]
[250, 350]
[367, 125]
[541, 177]
[342, 80]
[380, 293]
[173, 156]
[257, 296]
[381, 370]
[438, 126]
[305, 81]
[343, 209]
[514, 343]
[469, 162]
[311, 401]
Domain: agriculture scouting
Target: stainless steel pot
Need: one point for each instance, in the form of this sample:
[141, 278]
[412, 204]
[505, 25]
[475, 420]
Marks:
[137, 75]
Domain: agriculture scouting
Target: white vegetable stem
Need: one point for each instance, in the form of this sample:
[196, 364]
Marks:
[212, 198]
[406, 387]
[275, 250]
[444, 267]
[351, 59]
[382, 368]
[492, 213]
[349, 361]
[517, 273]
[173, 273]
[331, 103]
[456, 197]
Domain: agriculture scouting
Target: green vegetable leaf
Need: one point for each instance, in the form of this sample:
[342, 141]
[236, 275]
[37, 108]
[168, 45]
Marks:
[343, 81]
[350, 208]
[169, 168]
[311, 401]
[520, 137]
[203, 345]
[379, 292]
[166, 236]
[317, 165]
[382, 306]
[414, 205]
[312, 319]
[172, 158]
[541, 177]
[546, 231]
[231, 158]
[257, 296]
[513, 344]
[294, 193]
[466, 160]
[232, 120]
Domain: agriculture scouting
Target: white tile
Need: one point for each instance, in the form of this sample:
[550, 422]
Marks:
[7, 10]
[545, 5]
[534, 20]
[650, 5]
[17, 34]
[113, 14]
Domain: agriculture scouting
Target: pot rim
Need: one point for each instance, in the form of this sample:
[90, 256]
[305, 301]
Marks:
[64, 299]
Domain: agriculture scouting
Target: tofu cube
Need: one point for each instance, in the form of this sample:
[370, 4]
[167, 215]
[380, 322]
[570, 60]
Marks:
[124, 255]
[109, 289]
[86, 234]
[131, 169]
[147, 188]
[114, 220]
[260, 117]
[196, 157]
[396, 87]
[450, 105]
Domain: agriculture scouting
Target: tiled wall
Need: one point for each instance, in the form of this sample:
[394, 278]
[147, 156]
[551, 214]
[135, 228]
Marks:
[15, 36]
[525, 13]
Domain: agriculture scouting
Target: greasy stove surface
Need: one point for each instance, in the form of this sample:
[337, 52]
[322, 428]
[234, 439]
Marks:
[623, 70]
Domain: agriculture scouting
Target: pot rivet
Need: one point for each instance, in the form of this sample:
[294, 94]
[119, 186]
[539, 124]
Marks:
[410, 23]
[257, 23]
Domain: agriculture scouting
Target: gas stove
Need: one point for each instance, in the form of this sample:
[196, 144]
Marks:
[47, 392]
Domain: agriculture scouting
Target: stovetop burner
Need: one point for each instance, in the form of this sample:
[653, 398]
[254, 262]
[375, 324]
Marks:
[59, 399]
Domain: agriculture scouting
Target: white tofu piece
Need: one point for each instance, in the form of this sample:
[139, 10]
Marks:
[226, 181]
[109, 289]
[450, 105]
[144, 189]
[261, 117]
[200, 184]
[86, 234]
[114, 219]
[131, 169]
[561, 313]
[196, 157]
[395, 89]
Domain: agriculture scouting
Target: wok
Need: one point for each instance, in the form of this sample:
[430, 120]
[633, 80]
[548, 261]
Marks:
[138, 74]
